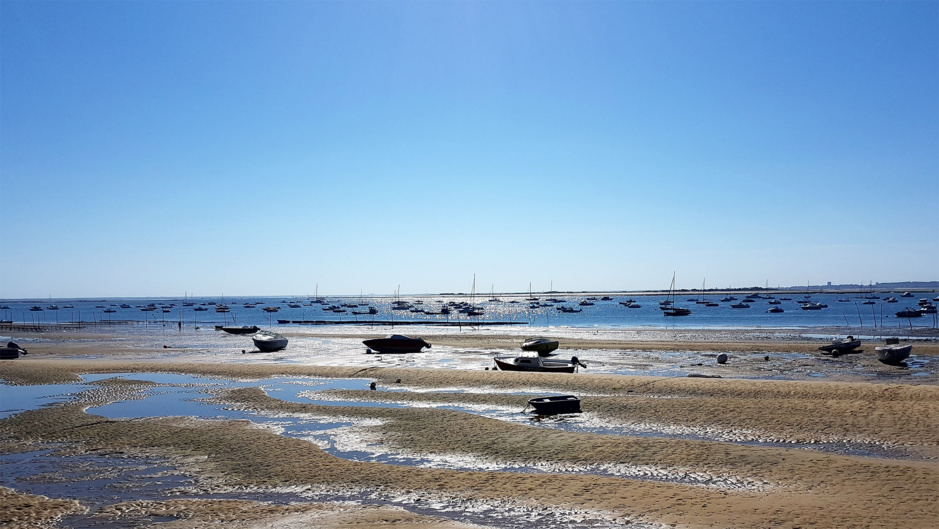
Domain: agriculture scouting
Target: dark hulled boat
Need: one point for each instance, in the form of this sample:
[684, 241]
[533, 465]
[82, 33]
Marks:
[396, 344]
[555, 404]
[245, 329]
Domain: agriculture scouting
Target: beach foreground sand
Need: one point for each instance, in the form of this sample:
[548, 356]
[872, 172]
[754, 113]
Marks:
[741, 452]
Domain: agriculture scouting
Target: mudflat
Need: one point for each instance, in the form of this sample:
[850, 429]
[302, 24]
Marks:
[757, 447]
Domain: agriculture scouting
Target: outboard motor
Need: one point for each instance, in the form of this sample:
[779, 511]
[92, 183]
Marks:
[577, 362]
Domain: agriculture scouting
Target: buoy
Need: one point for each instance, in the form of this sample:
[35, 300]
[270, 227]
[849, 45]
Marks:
[722, 358]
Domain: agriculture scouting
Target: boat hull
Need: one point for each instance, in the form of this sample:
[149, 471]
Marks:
[554, 367]
[9, 353]
[542, 347]
[396, 345]
[893, 354]
[840, 348]
[240, 330]
[555, 404]
[268, 343]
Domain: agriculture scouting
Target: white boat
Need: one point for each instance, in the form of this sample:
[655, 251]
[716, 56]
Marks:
[267, 341]
[892, 352]
[532, 361]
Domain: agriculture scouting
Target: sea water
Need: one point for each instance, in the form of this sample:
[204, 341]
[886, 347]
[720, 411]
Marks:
[507, 310]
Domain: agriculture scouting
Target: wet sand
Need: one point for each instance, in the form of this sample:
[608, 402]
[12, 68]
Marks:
[758, 462]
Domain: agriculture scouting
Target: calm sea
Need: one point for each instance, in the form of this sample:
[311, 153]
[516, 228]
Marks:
[841, 310]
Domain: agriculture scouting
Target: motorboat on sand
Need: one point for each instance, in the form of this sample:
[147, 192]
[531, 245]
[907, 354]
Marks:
[892, 352]
[841, 346]
[245, 329]
[555, 404]
[268, 342]
[396, 343]
[11, 351]
[532, 361]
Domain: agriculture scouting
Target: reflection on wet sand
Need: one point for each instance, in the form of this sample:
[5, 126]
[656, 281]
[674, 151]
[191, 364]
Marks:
[304, 438]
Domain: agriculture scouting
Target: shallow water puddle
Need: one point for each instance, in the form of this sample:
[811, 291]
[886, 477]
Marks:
[17, 399]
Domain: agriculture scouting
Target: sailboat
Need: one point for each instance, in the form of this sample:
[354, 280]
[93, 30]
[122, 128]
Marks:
[492, 297]
[702, 300]
[530, 297]
[667, 305]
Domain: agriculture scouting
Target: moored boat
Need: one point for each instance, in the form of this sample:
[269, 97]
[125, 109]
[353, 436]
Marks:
[244, 329]
[396, 343]
[268, 342]
[532, 361]
[841, 346]
[555, 404]
[542, 346]
[11, 351]
[892, 352]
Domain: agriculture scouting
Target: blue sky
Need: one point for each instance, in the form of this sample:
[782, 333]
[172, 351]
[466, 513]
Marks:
[154, 148]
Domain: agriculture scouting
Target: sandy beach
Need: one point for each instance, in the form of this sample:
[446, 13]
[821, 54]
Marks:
[785, 437]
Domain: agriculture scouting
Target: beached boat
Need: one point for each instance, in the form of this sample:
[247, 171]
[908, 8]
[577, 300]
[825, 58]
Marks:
[542, 346]
[555, 404]
[532, 361]
[268, 342]
[396, 343]
[841, 346]
[244, 329]
[892, 352]
[11, 351]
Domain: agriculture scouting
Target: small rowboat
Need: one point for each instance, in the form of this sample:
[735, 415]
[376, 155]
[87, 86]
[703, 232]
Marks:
[555, 405]
[268, 342]
[893, 353]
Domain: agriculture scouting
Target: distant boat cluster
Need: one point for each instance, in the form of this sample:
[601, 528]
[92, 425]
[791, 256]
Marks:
[551, 308]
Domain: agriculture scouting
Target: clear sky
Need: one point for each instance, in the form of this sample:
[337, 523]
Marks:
[155, 148]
